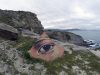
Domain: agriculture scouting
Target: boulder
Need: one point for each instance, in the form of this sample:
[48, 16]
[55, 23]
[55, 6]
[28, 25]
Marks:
[21, 20]
[8, 32]
[66, 37]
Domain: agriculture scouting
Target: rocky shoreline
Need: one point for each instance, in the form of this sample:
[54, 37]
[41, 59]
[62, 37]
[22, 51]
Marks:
[14, 59]
[20, 21]
[64, 36]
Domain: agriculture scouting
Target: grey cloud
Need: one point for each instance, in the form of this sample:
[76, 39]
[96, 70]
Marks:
[84, 14]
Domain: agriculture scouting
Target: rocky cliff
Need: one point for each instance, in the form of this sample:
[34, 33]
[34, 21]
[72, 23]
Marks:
[8, 32]
[14, 57]
[66, 37]
[21, 20]
[76, 60]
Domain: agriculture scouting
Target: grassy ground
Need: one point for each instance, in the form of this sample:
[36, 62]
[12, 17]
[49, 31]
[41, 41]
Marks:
[77, 58]
[23, 44]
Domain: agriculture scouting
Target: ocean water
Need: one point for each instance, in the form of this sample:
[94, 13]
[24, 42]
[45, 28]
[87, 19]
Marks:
[89, 34]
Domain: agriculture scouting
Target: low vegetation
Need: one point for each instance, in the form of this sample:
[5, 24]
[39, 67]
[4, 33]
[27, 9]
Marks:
[77, 58]
[23, 44]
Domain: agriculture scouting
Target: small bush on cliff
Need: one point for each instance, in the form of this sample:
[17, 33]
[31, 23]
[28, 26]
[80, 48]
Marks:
[24, 44]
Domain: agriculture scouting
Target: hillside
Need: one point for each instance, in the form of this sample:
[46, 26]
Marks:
[76, 60]
[21, 20]
[15, 59]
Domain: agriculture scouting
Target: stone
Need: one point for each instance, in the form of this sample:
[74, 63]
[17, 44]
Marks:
[21, 20]
[66, 37]
[8, 32]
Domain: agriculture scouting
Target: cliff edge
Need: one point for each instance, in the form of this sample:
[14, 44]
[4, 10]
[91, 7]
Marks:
[21, 20]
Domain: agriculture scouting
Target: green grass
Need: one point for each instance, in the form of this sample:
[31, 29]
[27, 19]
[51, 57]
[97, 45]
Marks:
[94, 61]
[25, 43]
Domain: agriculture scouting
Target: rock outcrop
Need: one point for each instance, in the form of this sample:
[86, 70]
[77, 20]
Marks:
[66, 37]
[21, 20]
[8, 32]
[14, 59]
[76, 61]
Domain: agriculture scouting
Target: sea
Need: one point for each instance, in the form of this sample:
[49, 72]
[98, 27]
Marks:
[89, 34]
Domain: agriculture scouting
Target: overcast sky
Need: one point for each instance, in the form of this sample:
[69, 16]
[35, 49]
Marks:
[62, 14]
